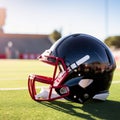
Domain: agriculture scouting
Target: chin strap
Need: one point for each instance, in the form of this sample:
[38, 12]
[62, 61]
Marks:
[101, 96]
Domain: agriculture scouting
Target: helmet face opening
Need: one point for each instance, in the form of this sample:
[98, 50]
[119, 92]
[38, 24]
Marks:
[42, 87]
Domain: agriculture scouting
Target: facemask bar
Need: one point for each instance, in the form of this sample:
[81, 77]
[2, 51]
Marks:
[53, 82]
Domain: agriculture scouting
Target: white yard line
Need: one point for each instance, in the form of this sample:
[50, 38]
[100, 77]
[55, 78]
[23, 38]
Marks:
[1, 79]
[22, 88]
[25, 88]
[116, 82]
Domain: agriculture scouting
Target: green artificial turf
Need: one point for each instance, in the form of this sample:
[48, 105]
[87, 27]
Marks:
[18, 105]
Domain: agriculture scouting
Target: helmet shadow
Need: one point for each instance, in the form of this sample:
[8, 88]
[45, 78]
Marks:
[108, 110]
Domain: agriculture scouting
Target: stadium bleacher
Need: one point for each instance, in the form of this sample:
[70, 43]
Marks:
[23, 46]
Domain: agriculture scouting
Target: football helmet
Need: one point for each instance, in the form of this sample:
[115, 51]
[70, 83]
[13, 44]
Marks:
[83, 70]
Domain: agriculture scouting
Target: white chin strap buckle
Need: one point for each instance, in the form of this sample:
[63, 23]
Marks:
[101, 96]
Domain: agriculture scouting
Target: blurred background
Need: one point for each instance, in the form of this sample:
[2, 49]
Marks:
[28, 27]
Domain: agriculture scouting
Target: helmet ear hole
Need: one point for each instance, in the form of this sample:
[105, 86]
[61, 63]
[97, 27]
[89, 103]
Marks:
[85, 82]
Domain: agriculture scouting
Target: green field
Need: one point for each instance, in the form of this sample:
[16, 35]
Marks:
[17, 104]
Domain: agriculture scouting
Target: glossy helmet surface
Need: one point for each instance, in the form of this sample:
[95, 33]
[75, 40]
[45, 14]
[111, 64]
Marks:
[83, 70]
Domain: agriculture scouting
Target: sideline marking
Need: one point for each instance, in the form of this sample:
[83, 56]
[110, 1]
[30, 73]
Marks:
[22, 88]
[25, 88]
